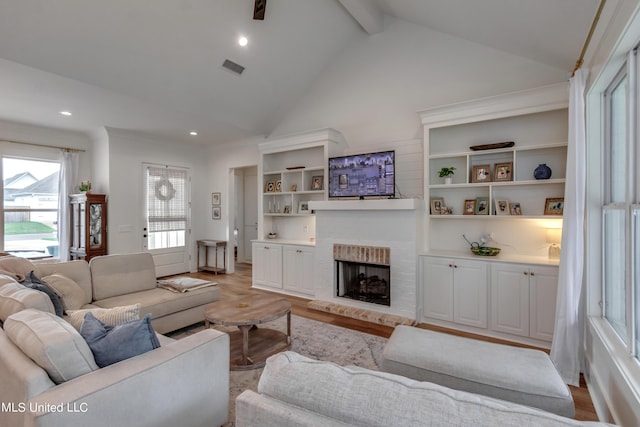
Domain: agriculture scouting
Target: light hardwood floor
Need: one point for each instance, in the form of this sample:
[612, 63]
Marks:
[239, 283]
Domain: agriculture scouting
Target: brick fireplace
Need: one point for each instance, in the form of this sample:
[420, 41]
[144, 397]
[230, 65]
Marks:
[388, 232]
[363, 273]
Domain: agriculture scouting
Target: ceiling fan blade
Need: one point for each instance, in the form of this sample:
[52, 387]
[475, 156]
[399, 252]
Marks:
[258, 9]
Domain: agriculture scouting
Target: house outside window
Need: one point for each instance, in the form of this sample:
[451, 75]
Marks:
[30, 207]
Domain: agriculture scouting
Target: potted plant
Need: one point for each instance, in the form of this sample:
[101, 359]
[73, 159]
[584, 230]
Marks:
[446, 174]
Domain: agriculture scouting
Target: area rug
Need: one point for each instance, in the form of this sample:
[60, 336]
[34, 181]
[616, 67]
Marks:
[313, 339]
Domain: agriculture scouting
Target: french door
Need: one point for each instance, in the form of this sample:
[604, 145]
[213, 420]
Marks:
[167, 230]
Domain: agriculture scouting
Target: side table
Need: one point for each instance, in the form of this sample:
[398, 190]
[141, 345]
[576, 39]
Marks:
[215, 244]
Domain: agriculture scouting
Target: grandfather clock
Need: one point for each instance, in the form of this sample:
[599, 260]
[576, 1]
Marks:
[88, 226]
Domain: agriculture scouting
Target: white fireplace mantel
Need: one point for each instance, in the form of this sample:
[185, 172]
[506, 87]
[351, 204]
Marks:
[367, 205]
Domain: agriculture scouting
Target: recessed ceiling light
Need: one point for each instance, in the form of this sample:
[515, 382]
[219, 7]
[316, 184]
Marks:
[65, 113]
[243, 41]
[193, 133]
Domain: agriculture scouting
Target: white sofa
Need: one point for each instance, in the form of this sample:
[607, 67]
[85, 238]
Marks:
[183, 382]
[297, 391]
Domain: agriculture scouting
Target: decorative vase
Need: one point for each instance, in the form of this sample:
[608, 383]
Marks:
[447, 180]
[542, 172]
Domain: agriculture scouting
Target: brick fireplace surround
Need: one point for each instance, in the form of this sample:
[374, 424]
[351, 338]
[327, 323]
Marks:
[393, 224]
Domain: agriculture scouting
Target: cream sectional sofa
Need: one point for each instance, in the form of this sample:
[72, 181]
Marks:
[298, 391]
[183, 382]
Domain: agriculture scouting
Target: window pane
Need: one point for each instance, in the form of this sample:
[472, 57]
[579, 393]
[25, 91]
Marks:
[614, 258]
[618, 143]
[636, 273]
[30, 207]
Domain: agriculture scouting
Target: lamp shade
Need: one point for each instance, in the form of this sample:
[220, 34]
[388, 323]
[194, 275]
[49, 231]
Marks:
[554, 235]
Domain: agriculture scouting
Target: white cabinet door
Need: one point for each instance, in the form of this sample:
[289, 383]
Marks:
[510, 298]
[267, 265]
[298, 269]
[470, 293]
[543, 289]
[437, 282]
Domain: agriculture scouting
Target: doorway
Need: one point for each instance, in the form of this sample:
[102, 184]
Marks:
[244, 222]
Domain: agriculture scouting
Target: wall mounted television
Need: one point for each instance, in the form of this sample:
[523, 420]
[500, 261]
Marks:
[363, 175]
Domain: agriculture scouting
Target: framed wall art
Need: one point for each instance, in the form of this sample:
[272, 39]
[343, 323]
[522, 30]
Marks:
[216, 199]
[216, 213]
[481, 173]
[554, 206]
[502, 171]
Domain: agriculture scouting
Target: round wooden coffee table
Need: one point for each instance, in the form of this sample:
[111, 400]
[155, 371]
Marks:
[246, 312]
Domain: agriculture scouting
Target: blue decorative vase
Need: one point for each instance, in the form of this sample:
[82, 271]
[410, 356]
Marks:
[542, 172]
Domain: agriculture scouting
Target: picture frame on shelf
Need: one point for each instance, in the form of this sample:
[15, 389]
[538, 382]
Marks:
[293, 188]
[270, 187]
[481, 173]
[502, 207]
[216, 199]
[303, 207]
[482, 206]
[287, 209]
[436, 203]
[469, 207]
[515, 208]
[502, 171]
[316, 182]
[554, 206]
[216, 213]
[278, 186]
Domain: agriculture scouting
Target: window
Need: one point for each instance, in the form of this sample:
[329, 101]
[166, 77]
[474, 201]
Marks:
[166, 207]
[620, 214]
[30, 207]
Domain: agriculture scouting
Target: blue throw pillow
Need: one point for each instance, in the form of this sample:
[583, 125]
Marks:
[111, 344]
[34, 282]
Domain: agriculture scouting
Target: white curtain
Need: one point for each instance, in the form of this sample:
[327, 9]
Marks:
[567, 347]
[67, 180]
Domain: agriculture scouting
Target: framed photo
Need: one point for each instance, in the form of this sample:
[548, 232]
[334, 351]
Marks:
[215, 199]
[469, 207]
[303, 207]
[278, 186]
[502, 207]
[482, 206]
[554, 206]
[216, 213]
[287, 209]
[316, 182]
[270, 187]
[515, 208]
[437, 203]
[481, 173]
[502, 171]
[293, 188]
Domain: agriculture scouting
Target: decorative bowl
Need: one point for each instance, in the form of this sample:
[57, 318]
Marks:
[485, 250]
[272, 235]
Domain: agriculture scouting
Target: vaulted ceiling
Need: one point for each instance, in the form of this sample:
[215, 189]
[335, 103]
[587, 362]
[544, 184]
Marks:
[155, 66]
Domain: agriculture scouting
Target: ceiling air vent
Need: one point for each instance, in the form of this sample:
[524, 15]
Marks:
[233, 67]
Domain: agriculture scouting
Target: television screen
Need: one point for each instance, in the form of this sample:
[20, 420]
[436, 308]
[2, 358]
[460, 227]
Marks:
[362, 175]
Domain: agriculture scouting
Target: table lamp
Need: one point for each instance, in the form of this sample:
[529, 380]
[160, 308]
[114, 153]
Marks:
[554, 237]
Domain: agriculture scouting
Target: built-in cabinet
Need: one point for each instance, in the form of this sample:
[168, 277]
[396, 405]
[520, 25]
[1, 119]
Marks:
[298, 269]
[455, 290]
[267, 265]
[523, 299]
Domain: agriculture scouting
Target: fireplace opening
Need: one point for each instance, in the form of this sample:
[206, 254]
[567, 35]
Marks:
[363, 282]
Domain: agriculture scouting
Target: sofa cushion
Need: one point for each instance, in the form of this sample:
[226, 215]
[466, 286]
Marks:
[51, 343]
[72, 295]
[15, 297]
[161, 302]
[109, 316]
[114, 275]
[32, 281]
[76, 270]
[18, 267]
[111, 344]
[358, 396]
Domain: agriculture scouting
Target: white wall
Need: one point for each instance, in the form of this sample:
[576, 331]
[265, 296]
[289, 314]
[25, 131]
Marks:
[127, 152]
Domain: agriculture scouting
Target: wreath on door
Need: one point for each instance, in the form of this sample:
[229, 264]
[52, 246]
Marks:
[165, 190]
